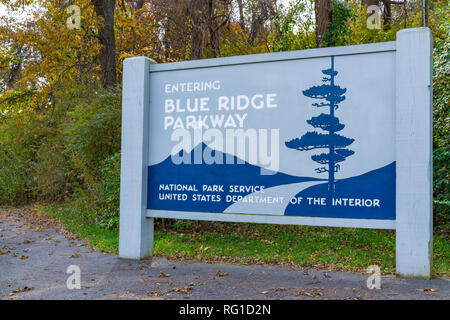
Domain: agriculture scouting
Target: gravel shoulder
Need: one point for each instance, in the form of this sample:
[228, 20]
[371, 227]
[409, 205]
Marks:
[35, 254]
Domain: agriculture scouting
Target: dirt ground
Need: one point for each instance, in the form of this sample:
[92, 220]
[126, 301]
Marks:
[35, 254]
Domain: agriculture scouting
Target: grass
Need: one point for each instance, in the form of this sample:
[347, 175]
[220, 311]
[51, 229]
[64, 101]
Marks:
[346, 249]
[98, 238]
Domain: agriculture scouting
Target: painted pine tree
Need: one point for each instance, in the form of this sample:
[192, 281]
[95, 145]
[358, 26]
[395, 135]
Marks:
[330, 95]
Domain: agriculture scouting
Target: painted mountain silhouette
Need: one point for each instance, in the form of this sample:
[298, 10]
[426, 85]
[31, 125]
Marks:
[240, 173]
[377, 184]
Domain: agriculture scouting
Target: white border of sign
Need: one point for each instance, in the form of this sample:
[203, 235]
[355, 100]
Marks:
[413, 224]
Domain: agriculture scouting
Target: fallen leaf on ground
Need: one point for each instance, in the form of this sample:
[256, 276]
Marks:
[315, 291]
[182, 290]
[221, 274]
[2, 252]
[303, 293]
[26, 288]
[280, 289]
[75, 255]
[23, 257]
[265, 292]
[165, 275]
[427, 290]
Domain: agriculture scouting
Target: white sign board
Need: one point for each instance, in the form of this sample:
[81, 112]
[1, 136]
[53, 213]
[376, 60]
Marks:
[326, 137]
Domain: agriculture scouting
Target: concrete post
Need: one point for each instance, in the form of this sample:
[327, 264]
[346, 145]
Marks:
[136, 230]
[414, 206]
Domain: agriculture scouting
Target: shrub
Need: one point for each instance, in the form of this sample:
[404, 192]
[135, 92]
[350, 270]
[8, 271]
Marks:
[441, 119]
[18, 140]
[13, 181]
[92, 133]
[110, 186]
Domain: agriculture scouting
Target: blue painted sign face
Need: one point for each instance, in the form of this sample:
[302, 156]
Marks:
[306, 137]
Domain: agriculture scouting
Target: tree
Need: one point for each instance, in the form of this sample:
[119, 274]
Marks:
[241, 15]
[195, 10]
[386, 7]
[332, 20]
[323, 18]
[262, 11]
[104, 10]
[335, 143]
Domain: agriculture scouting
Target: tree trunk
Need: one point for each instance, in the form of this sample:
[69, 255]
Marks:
[138, 4]
[323, 17]
[104, 10]
[195, 9]
[213, 29]
[387, 14]
[259, 17]
[241, 15]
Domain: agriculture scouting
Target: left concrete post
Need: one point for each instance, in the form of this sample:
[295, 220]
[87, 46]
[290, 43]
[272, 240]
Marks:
[136, 230]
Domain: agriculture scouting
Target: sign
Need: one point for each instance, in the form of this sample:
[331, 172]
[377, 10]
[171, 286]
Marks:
[288, 138]
[329, 137]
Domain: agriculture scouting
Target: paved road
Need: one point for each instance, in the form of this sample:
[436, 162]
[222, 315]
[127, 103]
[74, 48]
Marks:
[34, 259]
